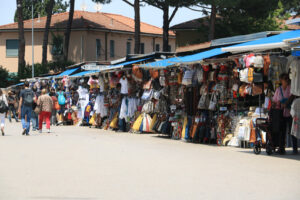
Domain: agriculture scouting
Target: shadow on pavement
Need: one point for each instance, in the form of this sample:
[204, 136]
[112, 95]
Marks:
[289, 154]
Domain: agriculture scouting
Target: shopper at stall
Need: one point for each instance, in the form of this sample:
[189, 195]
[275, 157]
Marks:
[46, 104]
[55, 108]
[3, 110]
[11, 106]
[25, 107]
[114, 101]
[295, 133]
[281, 101]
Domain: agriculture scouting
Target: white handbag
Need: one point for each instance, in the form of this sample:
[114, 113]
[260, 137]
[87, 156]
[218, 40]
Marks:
[203, 102]
[213, 102]
[147, 95]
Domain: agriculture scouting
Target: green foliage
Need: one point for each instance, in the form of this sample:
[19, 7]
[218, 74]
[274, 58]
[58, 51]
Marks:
[240, 17]
[170, 3]
[40, 69]
[102, 1]
[291, 6]
[39, 7]
[3, 77]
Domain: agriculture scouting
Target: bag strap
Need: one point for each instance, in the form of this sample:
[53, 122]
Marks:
[281, 92]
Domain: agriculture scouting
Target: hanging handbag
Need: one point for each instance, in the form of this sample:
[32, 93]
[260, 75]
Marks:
[242, 90]
[147, 85]
[137, 73]
[211, 76]
[213, 102]
[256, 90]
[257, 77]
[203, 102]
[206, 68]
[250, 75]
[187, 78]
[179, 77]
[199, 74]
[147, 95]
[244, 75]
[148, 107]
[162, 80]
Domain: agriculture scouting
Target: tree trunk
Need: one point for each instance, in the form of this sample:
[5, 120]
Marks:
[166, 28]
[212, 26]
[21, 53]
[46, 33]
[68, 31]
[137, 28]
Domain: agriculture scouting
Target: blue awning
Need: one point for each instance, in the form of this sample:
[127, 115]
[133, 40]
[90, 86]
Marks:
[130, 62]
[273, 42]
[161, 63]
[121, 65]
[200, 56]
[67, 72]
[84, 73]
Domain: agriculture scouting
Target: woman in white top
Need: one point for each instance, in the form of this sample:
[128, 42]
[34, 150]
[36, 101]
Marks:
[2, 114]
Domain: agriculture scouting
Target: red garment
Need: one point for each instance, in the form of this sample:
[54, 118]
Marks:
[47, 116]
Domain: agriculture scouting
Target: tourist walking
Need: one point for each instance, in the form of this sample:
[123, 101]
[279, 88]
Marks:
[45, 104]
[55, 107]
[3, 110]
[11, 99]
[25, 107]
[35, 116]
[61, 97]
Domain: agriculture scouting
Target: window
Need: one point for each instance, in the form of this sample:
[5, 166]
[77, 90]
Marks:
[142, 48]
[12, 48]
[98, 47]
[57, 45]
[169, 48]
[112, 48]
[128, 48]
[157, 48]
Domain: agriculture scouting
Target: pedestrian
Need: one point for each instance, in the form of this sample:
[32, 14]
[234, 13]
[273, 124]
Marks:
[281, 101]
[25, 107]
[35, 116]
[55, 108]
[11, 98]
[3, 110]
[45, 104]
[62, 103]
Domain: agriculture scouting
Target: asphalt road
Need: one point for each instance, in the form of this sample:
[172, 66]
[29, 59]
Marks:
[78, 163]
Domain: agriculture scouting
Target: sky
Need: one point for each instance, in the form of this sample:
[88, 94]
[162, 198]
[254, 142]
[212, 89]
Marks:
[149, 14]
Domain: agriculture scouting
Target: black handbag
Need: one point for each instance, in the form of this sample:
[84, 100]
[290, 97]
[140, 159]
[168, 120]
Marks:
[3, 106]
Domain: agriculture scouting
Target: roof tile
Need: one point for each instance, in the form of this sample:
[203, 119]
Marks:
[84, 19]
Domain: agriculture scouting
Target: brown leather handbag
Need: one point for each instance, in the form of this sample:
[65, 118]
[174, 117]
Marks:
[257, 89]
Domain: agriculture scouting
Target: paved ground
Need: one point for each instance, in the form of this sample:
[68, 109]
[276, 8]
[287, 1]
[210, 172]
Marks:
[80, 163]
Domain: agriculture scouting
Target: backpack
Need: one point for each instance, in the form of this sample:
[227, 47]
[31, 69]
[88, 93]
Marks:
[28, 98]
[61, 99]
[3, 107]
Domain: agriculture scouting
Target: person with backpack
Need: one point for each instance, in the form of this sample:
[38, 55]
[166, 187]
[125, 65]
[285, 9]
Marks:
[3, 110]
[62, 103]
[25, 107]
[45, 104]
